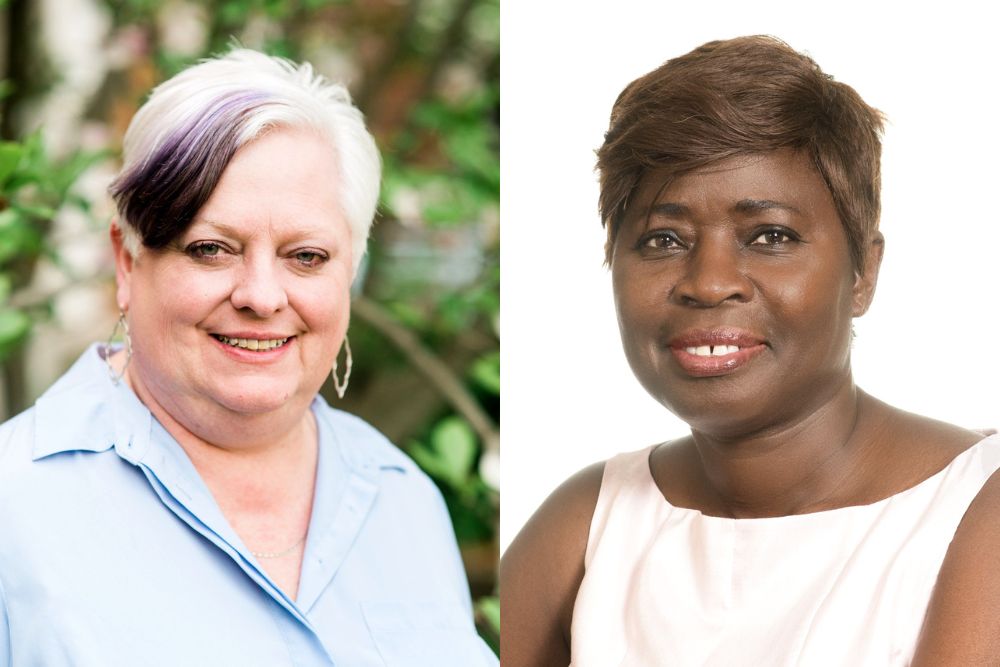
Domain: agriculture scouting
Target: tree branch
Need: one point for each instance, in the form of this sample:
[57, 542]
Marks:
[435, 370]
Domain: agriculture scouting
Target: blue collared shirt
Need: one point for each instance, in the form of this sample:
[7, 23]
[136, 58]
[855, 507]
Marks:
[114, 552]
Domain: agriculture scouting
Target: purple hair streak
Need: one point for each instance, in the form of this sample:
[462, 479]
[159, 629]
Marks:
[182, 139]
[160, 196]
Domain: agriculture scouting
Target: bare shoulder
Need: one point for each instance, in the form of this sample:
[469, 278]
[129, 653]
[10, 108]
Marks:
[541, 572]
[962, 626]
[916, 447]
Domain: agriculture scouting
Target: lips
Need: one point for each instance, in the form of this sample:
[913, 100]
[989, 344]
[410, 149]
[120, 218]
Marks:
[715, 352]
[250, 345]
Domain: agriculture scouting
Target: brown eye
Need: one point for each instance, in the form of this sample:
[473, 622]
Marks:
[659, 241]
[773, 237]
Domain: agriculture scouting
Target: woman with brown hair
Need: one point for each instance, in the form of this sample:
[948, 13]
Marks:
[802, 521]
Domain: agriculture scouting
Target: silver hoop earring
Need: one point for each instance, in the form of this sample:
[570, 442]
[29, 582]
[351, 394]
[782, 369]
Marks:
[341, 387]
[122, 324]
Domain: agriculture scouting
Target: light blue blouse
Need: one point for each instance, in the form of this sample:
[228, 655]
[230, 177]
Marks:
[114, 552]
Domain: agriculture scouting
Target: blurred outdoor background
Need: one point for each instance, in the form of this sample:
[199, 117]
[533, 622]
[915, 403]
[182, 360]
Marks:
[425, 318]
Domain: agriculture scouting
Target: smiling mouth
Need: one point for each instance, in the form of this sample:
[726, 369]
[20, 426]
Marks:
[702, 353]
[712, 350]
[253, 344]
[714, 360]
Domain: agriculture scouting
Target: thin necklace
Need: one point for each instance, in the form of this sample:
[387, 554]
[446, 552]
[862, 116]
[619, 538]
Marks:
[279, 554]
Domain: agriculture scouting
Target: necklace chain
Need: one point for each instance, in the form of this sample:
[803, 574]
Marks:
[279, 554]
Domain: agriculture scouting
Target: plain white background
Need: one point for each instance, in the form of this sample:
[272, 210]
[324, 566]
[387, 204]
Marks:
[929, 343]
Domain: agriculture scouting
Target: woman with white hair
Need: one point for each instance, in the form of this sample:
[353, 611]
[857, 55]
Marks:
[189, 499]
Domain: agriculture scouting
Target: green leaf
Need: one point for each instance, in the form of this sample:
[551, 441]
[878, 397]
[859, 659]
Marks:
[18, 238]
[13, 325]
[35, 211]
[485, 372]
[5, 287]
[10, 156]
[470, 526]
[425, 458]
[408, 314]
[454, 443]
[489, 610]
[488, 621]
[450, 453]
[233, 12]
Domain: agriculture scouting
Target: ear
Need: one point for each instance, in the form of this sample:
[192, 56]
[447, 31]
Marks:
[864, 282]
[124, 262]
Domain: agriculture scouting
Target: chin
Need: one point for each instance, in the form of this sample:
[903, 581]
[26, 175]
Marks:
[715, 406]
[254, 397]
[722, 425]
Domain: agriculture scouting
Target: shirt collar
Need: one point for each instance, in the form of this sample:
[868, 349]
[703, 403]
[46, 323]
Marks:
[84, 411]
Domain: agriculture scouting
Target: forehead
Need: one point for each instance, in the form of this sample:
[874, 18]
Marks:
[283, 158]
[286, 178]
[784, 177]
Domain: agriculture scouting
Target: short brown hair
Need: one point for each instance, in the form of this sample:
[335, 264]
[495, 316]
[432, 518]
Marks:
[744, 96]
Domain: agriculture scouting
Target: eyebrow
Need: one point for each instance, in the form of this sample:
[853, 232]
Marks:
[218, 226]
[755, 205]
[669, 209]
[234, 230]
[674, 210]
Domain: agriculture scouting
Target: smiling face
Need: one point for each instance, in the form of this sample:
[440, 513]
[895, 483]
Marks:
[735, 293]
[266, 264]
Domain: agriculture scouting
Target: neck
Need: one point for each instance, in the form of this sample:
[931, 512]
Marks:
[260, 460]
[800, 466]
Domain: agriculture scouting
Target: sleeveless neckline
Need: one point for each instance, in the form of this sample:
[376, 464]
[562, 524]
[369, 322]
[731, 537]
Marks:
[846, 586]
[820, 514]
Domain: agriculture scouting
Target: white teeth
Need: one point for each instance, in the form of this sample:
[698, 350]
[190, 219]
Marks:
[253, 343]
[712, 350]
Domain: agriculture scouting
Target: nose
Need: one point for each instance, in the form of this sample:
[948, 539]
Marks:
[713, 275]
[258, 287]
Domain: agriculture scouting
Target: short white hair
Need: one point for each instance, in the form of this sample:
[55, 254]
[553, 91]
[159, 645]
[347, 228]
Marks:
[181, 140]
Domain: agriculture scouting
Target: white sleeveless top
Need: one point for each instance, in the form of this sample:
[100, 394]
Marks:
[668, 586]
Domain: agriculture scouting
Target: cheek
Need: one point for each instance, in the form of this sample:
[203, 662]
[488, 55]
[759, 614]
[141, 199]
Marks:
[815, 310]
[182, 296]
[641, 291]
[640, 301]
[323, 307]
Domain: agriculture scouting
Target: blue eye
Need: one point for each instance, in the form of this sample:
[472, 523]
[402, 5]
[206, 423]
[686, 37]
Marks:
[204, 250]
[310, 258]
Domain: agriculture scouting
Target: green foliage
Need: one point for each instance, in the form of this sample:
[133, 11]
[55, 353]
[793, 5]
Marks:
[10, 156]
[488, 620]
[14, 326]
[32, 189]
[485, 372]
[467, 183]
[449, 454]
